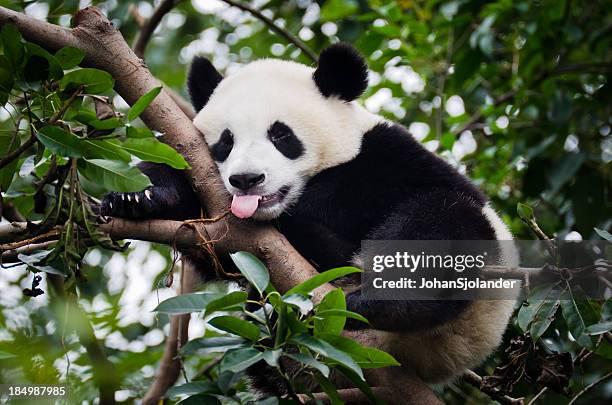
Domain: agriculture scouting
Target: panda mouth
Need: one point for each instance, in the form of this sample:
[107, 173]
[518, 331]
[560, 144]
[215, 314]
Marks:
[244, 206]
[271, 199]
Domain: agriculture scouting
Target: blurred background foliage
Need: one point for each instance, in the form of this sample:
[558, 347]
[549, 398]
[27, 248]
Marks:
[515, 93]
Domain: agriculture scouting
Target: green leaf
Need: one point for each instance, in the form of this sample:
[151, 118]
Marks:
[338, 9]
[252, 269]
[448, 140]
[41, 65]
[152, 150]
[114, 175]
[342, 313]
[196, 387]
[138, 132]
[565, 169]
[9, 141]
[537, 308]
[320, 279]
[302, 303]
[213, 344]
[236, 326]
[604, 234]
[227, 301]
[5, 355]
[310, 362]
[524, 211]
[333, 300]
[200, 399]
[34, 261]
[13, 46]
[96, 81]
[271, 357]
[69, 57]
[599, 328]
[236, 360]
[186, 303]
[327, 350]
[330, 389]
[366, 357]
[142, 103]
[578, 315]
[105, 149]
[361, 384]
[7, 80]
[61, 142]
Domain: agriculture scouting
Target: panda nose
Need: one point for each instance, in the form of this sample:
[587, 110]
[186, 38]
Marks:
[246, 181]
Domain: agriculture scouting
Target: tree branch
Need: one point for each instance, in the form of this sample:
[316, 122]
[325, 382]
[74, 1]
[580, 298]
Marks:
[475, 380]
[590, 387]
[274, 27]
[148, 27]
[170, 366]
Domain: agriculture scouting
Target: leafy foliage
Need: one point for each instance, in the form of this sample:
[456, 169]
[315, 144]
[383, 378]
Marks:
[284, 332]
[515, 93]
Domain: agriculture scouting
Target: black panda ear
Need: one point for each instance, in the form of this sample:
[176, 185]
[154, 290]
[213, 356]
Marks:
[202, 80]
[342, 72]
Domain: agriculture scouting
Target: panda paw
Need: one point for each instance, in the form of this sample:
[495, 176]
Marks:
[143, 204]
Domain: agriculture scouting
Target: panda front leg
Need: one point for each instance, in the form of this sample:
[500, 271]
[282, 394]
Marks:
[170, 197]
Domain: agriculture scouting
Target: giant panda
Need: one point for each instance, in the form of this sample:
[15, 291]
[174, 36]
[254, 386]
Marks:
[294, 148]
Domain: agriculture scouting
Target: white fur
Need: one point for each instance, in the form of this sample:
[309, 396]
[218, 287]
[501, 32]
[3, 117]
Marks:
[270, 90]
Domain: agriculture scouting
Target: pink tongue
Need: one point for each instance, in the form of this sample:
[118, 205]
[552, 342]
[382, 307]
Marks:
[244, 206]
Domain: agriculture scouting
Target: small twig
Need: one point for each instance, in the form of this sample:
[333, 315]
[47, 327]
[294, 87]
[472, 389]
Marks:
[274, 27]
[36, 239]
[17, 152]
[138, 19]
[149, 26]
[590, 387]
[10, 256]
[207, 368]
[537, 396]
[474, 379]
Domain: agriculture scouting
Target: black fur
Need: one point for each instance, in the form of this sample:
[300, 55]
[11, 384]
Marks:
[223, 147]
[283, 138]
[393, 190]
[202, 80]
[171, 197]
[342, 72]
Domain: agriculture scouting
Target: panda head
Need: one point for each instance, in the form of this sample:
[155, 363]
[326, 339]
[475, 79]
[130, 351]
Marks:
[274, 124]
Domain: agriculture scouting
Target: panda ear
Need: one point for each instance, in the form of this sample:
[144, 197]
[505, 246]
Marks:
[202, 80]
[342, 72]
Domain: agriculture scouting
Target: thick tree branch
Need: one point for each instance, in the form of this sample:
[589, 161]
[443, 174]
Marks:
[274, 27]
[148, 26]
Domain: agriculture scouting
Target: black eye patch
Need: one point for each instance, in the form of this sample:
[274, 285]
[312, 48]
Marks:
[221, 150]
[285, 140]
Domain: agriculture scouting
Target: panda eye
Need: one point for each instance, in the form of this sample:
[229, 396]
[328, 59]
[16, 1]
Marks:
[227, 138]
[285, 141]
[279, 131]
[221, 150]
